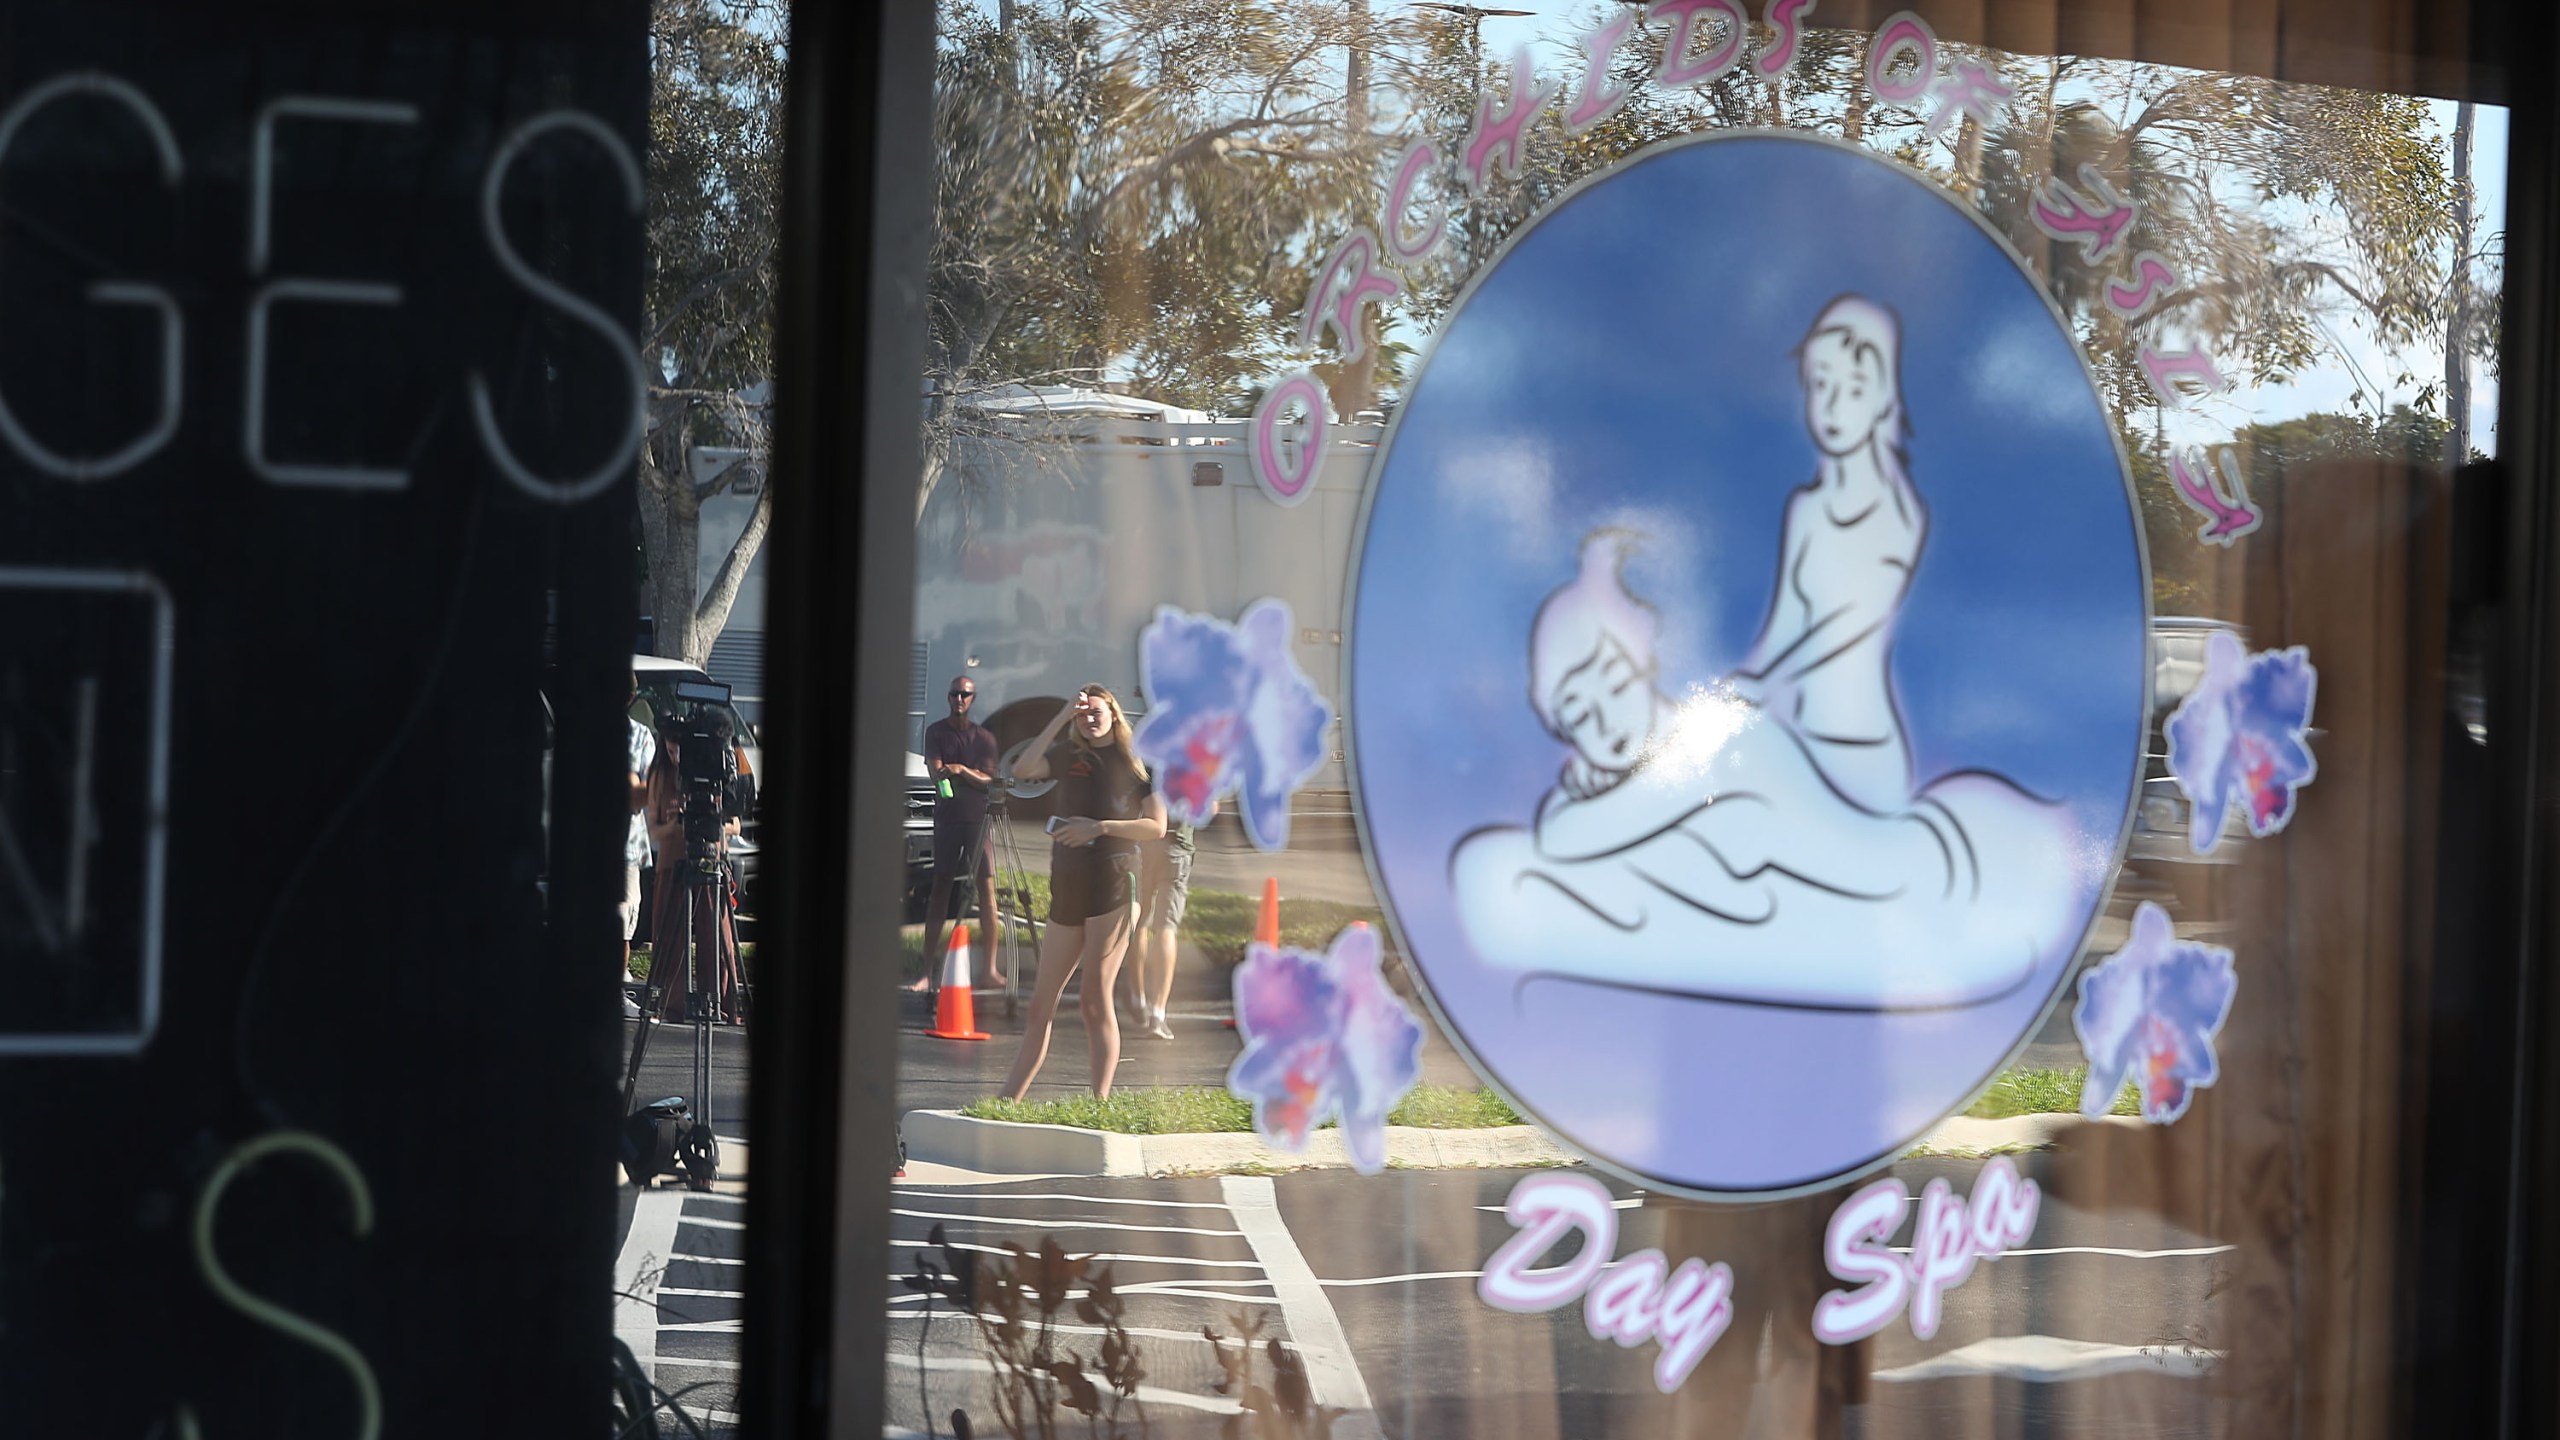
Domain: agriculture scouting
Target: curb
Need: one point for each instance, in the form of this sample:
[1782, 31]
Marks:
[1009, 1147]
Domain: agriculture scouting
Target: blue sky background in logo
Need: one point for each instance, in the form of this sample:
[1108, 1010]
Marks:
[1630, 361]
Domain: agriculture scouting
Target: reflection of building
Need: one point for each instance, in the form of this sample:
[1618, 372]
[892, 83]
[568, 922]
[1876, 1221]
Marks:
[1107, 508]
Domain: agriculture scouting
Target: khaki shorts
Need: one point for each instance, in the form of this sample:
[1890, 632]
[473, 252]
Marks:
[1164, 886]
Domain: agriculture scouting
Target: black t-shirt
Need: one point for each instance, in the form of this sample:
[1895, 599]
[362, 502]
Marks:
[975, 746]
[1098, 786]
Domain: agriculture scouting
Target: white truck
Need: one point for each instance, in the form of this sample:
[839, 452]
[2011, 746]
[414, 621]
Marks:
[1042, 578]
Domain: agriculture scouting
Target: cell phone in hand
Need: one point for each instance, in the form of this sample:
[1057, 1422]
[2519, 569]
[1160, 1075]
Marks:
[1054, 822]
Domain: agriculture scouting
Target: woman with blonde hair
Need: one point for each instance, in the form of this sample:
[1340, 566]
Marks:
[1106, 807]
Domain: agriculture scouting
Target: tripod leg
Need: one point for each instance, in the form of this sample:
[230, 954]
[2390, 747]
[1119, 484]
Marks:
[701, 954]
[657, 991]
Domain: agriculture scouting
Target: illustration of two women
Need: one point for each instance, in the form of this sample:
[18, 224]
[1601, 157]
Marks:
[1762, 838]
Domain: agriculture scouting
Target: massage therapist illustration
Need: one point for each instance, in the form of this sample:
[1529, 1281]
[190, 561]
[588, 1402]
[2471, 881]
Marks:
[1763, 837]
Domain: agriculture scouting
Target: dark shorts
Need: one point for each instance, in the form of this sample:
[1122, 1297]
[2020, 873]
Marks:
[1085, 883]
[951, 845]
[1164, 886]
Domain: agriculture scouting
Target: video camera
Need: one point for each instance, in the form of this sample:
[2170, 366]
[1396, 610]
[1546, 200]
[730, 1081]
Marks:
[707, 762]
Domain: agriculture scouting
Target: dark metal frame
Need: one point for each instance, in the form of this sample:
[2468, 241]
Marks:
[849, 342]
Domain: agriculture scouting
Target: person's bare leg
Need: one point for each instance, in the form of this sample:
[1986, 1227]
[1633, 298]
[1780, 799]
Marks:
[1161, 953]
[988, 921]
[1106, 944]
[1060, 951]
[936, 911]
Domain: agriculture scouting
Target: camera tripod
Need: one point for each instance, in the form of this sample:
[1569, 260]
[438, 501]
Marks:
[1013, 882]
[700, 919]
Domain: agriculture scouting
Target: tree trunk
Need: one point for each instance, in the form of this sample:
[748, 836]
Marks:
[712, 615]
[670, 529]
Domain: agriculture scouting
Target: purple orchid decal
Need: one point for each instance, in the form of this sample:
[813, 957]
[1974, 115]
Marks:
[2240, 737]
[2151, 1012]
[1323, 1036]
[1229, 713]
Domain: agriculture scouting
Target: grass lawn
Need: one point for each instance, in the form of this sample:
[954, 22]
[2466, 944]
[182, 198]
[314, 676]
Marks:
[1220, 922]
[1197, 1110]
[1443, 1107]
[2043, 1092]
[640, 956]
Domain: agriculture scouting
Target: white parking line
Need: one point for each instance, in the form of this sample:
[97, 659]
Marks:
[2046, 1358]
[640, 1267]
[1036, 1223]
[1399, 1279]
[1054, 1195]
[1088, 1255]
[1332, 1374]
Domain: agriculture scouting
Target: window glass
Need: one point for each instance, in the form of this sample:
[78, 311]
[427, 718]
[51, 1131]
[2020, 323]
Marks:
[1686, 721]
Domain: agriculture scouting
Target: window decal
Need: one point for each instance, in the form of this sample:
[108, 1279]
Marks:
[1323, 1038]
[1230, 713]
[1636, 1298]
[2149, 1013]
[1948, 1235]
[1822, 630]
[2242, 737]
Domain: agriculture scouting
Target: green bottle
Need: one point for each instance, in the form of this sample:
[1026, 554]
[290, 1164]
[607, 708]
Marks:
[945, 785]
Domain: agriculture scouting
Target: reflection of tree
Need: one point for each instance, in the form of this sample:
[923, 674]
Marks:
[2297, 218]
[714, 185]
[1130, 190]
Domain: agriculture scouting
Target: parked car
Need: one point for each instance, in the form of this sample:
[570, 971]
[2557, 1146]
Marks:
[919, 838]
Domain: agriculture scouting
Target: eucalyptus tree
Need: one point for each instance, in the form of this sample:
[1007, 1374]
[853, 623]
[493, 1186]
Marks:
[1131, 192]
[706, 347]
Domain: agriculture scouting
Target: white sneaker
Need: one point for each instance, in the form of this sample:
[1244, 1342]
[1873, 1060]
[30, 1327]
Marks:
[630, 1007]
[1160, 1030]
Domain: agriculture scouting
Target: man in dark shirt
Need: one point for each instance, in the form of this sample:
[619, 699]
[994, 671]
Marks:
[960, 755]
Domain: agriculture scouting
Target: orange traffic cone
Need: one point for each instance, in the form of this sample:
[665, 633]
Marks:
[1266, 926]
[955, 1015]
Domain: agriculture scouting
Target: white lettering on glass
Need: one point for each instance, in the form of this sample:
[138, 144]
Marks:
[1902, 33]
[1407, 247]
[1948, 1236]
[1285, 476]
[1600, 97]
[1639, 1298]
[110, 292]
[622, 345]
[306, 290]
[267, 1312]
[1500, 132]
[1680, 68]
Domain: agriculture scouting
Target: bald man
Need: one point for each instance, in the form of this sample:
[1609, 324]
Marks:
[961, 756]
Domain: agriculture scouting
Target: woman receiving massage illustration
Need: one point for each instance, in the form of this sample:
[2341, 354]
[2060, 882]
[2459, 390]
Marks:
[1763, 839]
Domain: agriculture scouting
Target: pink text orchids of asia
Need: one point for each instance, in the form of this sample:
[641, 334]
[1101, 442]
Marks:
[1707, 39]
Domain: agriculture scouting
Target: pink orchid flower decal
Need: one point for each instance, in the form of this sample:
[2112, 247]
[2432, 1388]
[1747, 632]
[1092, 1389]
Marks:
[1323, 1037]
[1230, 713]
[2150, 1013]
[2241, 737]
